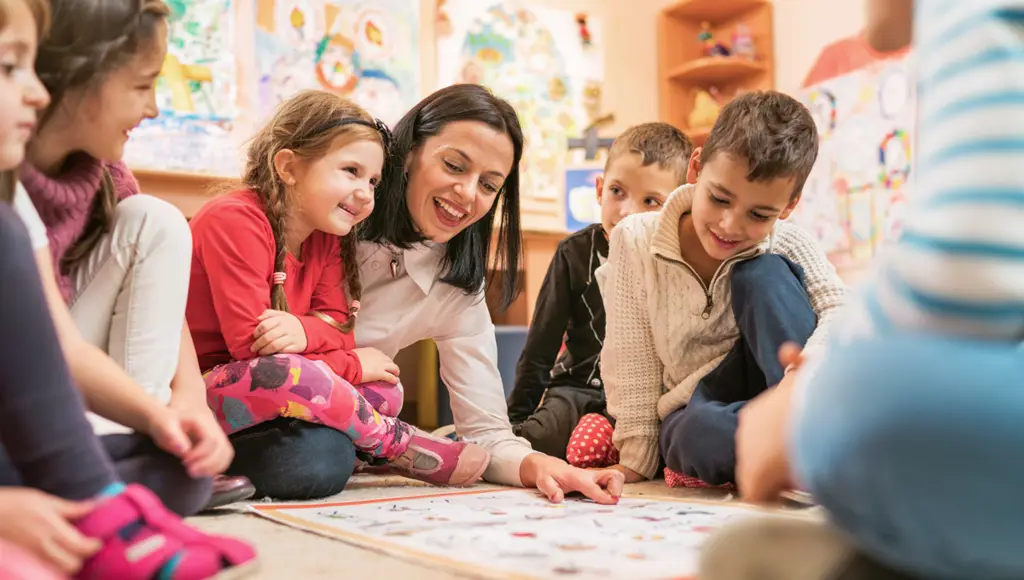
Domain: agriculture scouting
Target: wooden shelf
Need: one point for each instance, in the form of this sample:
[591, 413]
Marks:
[711, 10]
[715, 69]
[684, 69]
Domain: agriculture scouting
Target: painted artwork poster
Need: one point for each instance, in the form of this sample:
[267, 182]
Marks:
[538, 59]
[196, 94]
[366, 50]
[854, 198]
[520, 534]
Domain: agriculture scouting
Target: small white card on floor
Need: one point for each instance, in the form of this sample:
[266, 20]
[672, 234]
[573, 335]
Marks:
[519, 534]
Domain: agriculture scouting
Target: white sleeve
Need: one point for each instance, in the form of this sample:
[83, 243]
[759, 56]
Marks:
[28, 214]
[468, 356]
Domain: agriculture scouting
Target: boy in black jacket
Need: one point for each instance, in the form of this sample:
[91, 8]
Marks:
[555, 387]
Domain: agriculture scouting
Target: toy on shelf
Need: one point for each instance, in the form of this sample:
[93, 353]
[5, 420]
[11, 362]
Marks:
[705, 109]
[743, 42]
[581, 20]
[711, 48]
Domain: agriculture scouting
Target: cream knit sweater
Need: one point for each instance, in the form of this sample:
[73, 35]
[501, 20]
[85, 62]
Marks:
[665, 331]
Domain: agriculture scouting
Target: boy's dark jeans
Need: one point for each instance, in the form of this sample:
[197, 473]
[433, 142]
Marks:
[771, 308]
[550, 427]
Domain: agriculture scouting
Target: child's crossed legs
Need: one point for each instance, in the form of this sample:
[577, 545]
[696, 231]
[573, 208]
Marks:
[246, 393]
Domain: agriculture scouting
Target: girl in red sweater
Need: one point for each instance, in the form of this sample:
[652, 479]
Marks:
[267, 304]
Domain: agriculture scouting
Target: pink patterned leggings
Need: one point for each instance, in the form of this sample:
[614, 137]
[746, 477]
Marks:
[250, 392]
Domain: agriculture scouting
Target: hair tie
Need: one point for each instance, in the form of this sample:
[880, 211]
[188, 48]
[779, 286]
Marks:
[353, 309]
[278, 278]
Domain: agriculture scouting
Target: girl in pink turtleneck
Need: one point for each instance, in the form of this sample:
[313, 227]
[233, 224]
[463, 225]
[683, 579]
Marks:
[120, 261]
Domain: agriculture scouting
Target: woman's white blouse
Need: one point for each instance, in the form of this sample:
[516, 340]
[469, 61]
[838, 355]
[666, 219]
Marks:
[412, 305]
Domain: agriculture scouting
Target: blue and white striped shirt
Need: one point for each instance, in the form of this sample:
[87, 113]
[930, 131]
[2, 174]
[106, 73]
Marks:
[958, 268]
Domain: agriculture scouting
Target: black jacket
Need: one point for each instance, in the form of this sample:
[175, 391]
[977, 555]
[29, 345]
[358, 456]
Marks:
[569, 306]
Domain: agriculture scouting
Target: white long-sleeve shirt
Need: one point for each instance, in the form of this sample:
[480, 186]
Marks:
[400, 310]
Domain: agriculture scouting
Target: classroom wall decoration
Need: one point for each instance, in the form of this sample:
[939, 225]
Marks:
[548, 63]
[366, 50]
[519, 534]
[196, 93]
[854, 199]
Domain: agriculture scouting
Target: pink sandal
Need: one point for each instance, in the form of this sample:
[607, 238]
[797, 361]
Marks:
[142, 539]
[441, 461]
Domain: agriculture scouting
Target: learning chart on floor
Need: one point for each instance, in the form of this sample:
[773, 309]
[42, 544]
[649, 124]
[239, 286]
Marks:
[519, 534]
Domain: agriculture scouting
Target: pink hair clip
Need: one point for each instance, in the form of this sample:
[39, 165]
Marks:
[353, 309]
[278, 278]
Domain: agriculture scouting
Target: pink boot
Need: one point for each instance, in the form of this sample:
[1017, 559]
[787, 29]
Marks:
[441, 461]
[143, 540]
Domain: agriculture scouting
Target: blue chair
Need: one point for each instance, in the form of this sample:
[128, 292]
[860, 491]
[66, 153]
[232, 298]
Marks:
[511, 340]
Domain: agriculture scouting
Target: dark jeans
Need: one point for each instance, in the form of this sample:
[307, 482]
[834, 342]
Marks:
[771, 308]
[47, 443]
[293, 460]
[549, 428]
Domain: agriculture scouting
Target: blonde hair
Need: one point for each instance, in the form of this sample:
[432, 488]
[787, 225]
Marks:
[308, 125]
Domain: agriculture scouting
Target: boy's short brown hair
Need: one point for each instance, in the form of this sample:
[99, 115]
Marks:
[772, 131]
[659, 143]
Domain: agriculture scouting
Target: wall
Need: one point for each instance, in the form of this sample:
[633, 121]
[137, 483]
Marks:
[803, 28]
[631, 67]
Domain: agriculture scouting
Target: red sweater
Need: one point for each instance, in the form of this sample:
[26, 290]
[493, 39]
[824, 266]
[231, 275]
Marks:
[232, 264]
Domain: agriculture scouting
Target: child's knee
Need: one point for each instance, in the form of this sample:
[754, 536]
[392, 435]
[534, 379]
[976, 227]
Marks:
[152, 221]
[758, 277]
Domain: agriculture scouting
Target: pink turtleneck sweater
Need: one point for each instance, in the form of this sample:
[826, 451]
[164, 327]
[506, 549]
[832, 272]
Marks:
[64, 202]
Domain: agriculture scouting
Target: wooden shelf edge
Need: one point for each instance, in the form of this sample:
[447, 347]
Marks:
[715, 68]
[711, 10]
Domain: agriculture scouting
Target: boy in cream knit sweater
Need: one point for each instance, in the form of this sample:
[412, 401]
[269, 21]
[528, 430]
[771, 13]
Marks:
[701, 296]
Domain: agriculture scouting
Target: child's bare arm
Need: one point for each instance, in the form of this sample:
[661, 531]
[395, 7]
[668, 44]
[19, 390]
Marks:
[888, 26]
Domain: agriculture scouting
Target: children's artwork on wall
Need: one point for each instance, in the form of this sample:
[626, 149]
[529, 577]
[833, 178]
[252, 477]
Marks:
[854, 198]
[196, 93]
[519, 534]
[536, 58]
[366, 50]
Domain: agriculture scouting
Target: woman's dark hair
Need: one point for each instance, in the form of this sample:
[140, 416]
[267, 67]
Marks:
[466, 255]
[87, 40]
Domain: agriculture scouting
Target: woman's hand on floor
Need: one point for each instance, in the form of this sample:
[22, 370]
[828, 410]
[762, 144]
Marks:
[629, 475]
[41, 524]
[555, 478]
[278, 332]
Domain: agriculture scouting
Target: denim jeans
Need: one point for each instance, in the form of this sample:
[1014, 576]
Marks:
[771, 308]
[291, 459]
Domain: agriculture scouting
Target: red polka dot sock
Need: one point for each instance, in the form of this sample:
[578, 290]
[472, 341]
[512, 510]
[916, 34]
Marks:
[591, 443]
[673, 479]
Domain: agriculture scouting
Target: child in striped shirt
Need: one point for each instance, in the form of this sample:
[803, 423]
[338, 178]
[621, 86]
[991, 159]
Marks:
[907, 428]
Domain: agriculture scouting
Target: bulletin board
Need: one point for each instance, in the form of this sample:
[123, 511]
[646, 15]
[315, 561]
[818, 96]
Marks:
[854, 199]
[549, 68]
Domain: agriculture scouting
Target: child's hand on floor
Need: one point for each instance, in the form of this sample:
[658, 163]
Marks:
[377, 366]
[278, 332]
[762, 443]
[40, 523]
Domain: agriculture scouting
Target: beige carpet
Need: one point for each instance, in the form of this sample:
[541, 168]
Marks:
[289, 553]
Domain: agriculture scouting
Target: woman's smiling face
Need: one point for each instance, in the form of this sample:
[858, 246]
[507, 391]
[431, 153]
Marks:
[455, 177]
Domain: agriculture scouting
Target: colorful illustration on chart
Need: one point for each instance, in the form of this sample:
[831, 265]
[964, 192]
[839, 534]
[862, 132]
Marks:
[518, 533]
[855, 196]
[196, 94]
[532, 57]
[366, 50]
